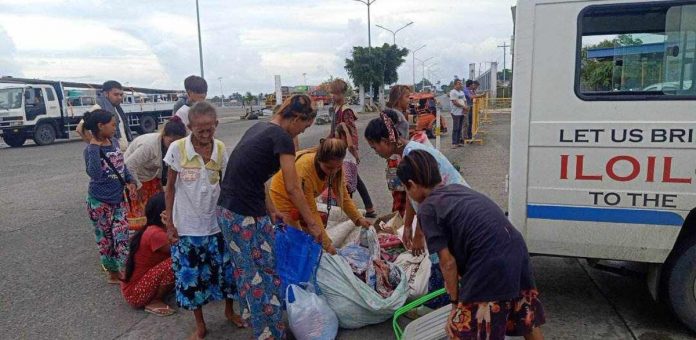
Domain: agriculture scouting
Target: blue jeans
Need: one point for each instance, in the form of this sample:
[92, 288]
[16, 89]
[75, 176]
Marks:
[457, 125]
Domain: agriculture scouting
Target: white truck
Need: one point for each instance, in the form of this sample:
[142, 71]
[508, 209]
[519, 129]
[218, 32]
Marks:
[44, 110]
[602, 164]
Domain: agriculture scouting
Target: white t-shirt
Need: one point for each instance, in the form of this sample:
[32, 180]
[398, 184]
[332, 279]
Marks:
[460, 98]
[182, 113]
[197, 187]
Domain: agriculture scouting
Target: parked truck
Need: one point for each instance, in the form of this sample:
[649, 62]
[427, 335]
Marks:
[45, 110]
[603, 166]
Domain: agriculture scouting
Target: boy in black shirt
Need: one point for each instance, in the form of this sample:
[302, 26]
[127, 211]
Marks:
[483, 258]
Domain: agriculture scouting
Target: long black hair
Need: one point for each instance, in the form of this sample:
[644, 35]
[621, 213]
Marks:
[377, 129]
[92, 120]
[154, 208]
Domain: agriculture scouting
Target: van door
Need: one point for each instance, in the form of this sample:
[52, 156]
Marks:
[612, 128]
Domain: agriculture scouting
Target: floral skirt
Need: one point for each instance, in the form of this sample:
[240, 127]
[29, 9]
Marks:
[495, 320]
[203, 271]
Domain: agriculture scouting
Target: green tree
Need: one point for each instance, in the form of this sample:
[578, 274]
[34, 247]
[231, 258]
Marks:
[237, 96]
[377, 65]
[599, 74]
[419, 85]
[249, 98]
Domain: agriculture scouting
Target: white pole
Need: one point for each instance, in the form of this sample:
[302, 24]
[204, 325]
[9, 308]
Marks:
[222, 96]
[200, 44]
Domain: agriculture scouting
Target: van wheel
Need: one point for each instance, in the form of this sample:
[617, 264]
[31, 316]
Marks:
[147, 124]
[44, 134]
[14, 140]
[679, 282]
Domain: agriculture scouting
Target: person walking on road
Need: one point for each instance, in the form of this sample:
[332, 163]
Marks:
[110, 100]
[458, 108]
[149, 276]
[318, 169]
[196, 91]
[246, 213]
[343, 114]
[202, 266]
[145, 159]
[484, 259]
[109, 178]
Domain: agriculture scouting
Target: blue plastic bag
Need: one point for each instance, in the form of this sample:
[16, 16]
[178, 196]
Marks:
[297, 257]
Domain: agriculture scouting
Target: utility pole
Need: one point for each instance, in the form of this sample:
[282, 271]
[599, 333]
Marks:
[200, 44]
[222, 96]
[423, 65]
[504, 46]
[414, 64]
[368, 3]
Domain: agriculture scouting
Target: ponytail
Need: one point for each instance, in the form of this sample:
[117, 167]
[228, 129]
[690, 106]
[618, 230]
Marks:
[92, 119]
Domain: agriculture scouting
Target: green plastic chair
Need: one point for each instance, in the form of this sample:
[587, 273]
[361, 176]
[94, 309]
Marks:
[398, 332]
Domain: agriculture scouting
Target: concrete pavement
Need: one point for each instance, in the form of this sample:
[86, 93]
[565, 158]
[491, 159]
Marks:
[51, 285]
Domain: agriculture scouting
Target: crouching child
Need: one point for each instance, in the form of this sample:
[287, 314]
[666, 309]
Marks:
[483, 258]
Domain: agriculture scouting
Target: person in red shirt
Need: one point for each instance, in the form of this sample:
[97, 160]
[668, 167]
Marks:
[149, 276]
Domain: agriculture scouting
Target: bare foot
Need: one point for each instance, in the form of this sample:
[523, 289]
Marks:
[199, 334]
[112, 278]
[236, 319]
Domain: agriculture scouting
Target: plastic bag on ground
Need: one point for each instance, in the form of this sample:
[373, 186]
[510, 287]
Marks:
[355, 302]
[309, 316]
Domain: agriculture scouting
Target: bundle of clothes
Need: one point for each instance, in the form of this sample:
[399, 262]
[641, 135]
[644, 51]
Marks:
[380, 275]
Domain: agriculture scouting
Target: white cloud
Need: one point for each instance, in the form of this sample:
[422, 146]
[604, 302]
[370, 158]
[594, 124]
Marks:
[154, 43]
[8, 64]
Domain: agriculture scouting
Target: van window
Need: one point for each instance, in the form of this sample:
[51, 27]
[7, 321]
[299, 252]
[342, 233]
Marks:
[637, 51]
[49, 94]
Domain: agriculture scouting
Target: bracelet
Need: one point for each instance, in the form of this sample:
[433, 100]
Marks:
[454, 302]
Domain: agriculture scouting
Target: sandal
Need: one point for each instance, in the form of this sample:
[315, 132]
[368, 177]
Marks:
[160, 311]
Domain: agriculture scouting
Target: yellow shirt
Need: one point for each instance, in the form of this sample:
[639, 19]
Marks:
[312, 186]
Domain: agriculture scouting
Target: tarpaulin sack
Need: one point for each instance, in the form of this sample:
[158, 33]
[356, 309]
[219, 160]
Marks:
[417, 269]
[356, 303]
[297, 256]
[309, 316]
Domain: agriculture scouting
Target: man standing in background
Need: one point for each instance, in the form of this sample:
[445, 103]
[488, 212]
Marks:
[110, 100]
[196, 91]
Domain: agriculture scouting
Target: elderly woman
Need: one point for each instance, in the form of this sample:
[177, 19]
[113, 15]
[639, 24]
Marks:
[144, 158]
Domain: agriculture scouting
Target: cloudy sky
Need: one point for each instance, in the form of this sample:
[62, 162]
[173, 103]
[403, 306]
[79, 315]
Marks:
[153, 43]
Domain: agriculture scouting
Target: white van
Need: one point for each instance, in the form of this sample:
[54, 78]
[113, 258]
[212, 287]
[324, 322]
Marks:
[602, 165]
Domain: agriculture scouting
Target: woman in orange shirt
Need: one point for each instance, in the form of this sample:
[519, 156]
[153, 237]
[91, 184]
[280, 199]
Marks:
[317, 169]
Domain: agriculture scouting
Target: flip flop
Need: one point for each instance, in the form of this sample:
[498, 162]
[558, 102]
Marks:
[160, 311]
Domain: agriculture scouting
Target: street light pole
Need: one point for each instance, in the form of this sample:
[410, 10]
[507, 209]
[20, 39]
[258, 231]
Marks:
[200, 44]
[222, 96]
[423, 65]
[414, 64]
[396, 31]
[368, 3]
